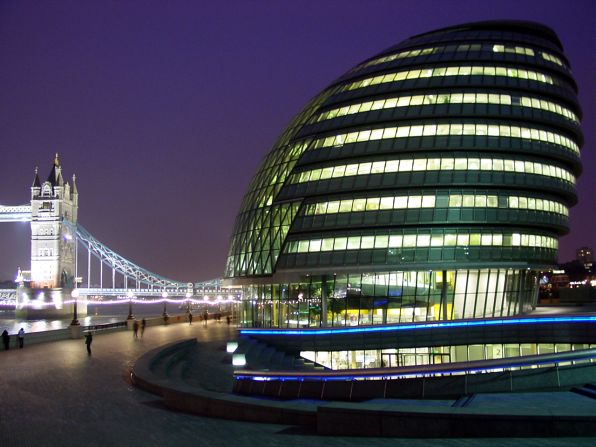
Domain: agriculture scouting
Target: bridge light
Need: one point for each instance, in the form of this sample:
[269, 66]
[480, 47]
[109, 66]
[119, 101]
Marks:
[129, 294]
[164, 294]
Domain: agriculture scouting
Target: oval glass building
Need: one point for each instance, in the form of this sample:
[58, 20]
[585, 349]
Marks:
[430, 182]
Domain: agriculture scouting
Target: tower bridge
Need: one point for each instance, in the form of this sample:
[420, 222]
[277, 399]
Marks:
[68, 262]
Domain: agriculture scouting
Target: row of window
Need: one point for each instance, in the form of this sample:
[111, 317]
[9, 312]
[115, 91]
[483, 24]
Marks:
[474, 70]
[513, 50]
[431, 201]
[448, 98]
[551, 58]
[433, 164]
[461, 48]
[385, 241]
[430, 130]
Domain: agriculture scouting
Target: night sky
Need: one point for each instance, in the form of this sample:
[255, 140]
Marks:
[164, 110]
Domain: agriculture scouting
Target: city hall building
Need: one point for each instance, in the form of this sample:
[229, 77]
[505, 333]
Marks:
[430, 182]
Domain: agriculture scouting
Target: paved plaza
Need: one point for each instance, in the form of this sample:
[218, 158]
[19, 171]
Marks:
[53, 394]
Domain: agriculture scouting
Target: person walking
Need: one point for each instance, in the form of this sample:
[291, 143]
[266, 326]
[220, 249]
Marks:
[205, 318]
[21, 336]
[135, 329]
[190, 318]
[143, 324]
[88, 341]
[6, 340]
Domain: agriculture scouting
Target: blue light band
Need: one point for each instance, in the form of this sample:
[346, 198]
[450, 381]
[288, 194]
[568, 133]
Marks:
[420, 326]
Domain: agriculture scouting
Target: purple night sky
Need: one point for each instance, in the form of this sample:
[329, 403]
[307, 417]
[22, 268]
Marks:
[164, 110]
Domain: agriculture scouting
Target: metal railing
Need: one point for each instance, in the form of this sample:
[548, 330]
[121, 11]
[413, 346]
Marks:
[405, 372]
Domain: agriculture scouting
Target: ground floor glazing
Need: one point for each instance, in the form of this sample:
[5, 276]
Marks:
[391, 358]
[389, 298]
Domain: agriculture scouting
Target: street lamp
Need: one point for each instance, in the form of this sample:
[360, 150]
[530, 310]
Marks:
[129, 294]
[75, 318]
[164, 295]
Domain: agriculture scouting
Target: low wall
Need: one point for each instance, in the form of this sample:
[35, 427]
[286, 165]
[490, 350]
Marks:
[356, 419]
[440, 422]
[179, 396]
[446, 387]
[33, 338]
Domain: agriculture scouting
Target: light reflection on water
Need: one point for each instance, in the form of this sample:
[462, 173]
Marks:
[96, 315]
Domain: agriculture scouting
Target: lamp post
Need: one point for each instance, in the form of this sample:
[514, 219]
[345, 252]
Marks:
[129, 294]
[75, 317]
[164, 295]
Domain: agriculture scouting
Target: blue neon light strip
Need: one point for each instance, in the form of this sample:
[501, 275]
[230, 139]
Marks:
[418, 326]
[388, 375]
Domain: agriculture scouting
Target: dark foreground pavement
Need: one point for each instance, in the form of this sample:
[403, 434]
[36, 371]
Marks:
[53, 394]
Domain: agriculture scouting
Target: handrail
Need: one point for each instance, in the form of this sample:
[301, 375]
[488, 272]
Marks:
[475, 366]
[471, 322]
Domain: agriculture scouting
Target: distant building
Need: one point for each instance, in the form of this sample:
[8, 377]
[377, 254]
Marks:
[585, 255]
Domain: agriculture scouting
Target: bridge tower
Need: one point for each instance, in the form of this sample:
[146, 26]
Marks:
[53, 244]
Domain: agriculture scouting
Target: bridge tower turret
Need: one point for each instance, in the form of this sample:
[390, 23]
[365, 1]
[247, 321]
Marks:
[53, 202]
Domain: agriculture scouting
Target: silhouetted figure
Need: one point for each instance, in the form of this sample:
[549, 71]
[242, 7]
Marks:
[143, 324]
[228, 319]
[6, 340]
[189, 318]
[205, 318]
[88, 341]
[135, 329]
[21, 337]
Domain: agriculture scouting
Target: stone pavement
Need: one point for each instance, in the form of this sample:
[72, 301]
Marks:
[53, 394]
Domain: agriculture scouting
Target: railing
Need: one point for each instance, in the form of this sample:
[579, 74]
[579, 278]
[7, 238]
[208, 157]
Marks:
[106, 326]
[405, 372]
[16, 213]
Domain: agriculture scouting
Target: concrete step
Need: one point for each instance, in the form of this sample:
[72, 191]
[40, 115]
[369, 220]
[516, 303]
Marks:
[277, 360]
[463, 401]
[253, 352]
[585, 391]
[266, 355]
[159, 366]
[175, 364]
[287, 362]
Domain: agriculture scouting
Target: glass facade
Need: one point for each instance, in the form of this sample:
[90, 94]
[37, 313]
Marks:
[430, 182]
[389, 298]
[397, 357]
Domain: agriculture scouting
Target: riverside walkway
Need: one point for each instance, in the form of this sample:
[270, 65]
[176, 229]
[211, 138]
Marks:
[53, 394]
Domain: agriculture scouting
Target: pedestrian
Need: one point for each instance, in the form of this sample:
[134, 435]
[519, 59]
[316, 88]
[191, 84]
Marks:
[205, 318]
[88, 341]
[189, 318]
[135, 328]
[228, 319]
[143, 324]
[21, 337]
[6, 340]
